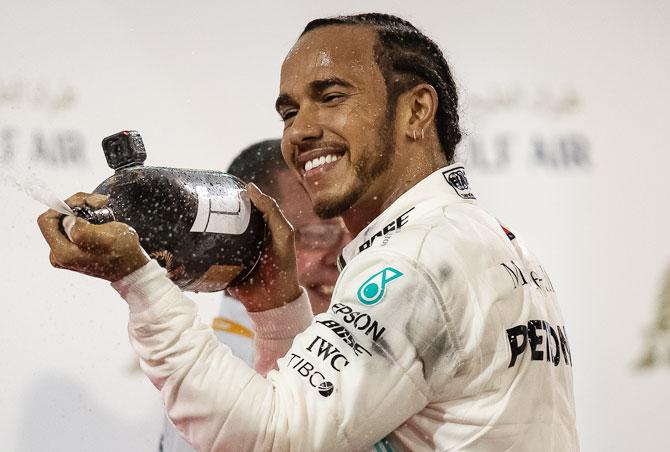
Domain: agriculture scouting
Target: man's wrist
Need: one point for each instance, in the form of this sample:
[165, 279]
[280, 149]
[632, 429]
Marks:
[133, 264]
[267, 301]
[144, 286]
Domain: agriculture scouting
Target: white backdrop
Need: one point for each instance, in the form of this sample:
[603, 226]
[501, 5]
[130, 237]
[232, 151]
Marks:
[565, 107]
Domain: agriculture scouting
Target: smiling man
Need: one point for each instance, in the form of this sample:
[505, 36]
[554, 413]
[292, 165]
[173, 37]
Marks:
[444, 331]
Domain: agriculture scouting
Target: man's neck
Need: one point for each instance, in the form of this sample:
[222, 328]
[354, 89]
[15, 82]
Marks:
[407, 171]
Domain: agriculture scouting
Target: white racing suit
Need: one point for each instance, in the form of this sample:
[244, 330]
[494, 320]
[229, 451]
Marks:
[233, 327]
[444, 333]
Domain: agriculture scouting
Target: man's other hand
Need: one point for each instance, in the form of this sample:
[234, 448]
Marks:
[109, 251]
[274, 282]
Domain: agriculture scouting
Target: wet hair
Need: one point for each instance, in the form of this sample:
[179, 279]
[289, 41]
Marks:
[260, 163]
[406, 58]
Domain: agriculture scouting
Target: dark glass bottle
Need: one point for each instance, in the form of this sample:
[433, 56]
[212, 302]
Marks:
[198, 224]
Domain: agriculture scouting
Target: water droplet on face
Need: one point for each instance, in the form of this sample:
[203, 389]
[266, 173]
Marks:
[323, 59]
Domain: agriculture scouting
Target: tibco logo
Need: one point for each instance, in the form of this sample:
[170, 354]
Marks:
[315, 378]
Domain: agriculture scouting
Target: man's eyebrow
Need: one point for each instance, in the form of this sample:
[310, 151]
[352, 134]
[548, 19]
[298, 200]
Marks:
[283, 100]
[319, 86]
[316, 86]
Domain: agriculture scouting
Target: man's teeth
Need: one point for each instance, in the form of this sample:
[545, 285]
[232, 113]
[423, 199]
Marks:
[317, 162]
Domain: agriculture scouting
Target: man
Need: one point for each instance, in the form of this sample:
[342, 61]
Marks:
[317, 245]
[444, 332]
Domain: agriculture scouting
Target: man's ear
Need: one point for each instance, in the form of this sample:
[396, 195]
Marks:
[421, 103]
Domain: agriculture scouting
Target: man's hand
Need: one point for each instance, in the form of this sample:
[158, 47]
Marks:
[109, 251]
[274, 282]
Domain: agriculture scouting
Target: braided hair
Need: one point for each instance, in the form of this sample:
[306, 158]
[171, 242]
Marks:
[406, 57]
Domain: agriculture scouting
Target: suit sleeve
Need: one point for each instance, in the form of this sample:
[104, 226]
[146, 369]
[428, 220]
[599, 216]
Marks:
[275, 330]
[353, 376]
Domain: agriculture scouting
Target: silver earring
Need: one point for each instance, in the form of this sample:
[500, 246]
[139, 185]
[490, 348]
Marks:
[414, 134]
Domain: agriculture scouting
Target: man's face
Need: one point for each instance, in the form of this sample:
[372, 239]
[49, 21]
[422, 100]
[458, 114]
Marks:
[338, 139]
[318, 242]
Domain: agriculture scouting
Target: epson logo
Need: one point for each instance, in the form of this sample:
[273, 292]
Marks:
[395, 225]
[359, 320]
[315, 378]
[328, 353]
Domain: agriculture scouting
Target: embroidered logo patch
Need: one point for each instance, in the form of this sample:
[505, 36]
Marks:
[372, 290]
[459, 182]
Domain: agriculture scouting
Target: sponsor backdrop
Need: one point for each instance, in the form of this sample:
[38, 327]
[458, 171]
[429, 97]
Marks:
[565, 109]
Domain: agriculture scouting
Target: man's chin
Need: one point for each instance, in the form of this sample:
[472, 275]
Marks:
[328, 211]
[335, 206]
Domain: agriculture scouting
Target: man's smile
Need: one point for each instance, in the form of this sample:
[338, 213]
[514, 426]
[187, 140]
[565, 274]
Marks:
[318, 160]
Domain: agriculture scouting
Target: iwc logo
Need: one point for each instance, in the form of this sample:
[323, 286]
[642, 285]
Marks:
[459, 182]
[372, 290]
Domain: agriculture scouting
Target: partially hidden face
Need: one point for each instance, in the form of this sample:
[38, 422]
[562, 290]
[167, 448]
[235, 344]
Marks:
[318, 241]
[337, 137]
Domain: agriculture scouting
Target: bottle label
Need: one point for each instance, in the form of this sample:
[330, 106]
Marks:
[222, 214]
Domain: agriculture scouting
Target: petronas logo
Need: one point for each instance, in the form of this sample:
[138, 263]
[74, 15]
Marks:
[372, 290]
[657, 352]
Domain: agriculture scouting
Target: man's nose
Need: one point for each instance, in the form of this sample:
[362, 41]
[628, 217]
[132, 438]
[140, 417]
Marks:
[304, 128]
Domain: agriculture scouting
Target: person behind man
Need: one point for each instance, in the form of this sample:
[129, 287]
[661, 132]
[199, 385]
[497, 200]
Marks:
[317, 245]
[444, 331]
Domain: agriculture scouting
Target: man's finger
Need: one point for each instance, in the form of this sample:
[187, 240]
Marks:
[49, 214]
[78, 199]
[96, 236]
[49, 224]
[263, 202]
[54, 262]
[279, 226]
[96, 200]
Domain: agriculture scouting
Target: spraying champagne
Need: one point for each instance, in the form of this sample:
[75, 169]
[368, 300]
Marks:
[198, 224]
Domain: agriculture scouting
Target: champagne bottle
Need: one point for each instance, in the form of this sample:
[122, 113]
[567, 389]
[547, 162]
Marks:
[198, 224]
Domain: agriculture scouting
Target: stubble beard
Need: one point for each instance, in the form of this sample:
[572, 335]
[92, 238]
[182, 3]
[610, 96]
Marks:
[366, 171]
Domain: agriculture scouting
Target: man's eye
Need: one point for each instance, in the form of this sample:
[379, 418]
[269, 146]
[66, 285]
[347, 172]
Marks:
[285, 116]
[333, 97]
